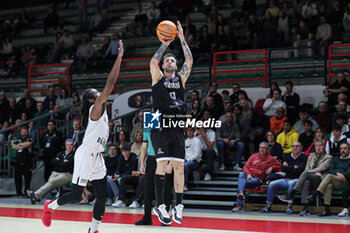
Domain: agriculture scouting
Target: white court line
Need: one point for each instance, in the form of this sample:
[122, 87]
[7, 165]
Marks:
[13, 225]
[203, 214]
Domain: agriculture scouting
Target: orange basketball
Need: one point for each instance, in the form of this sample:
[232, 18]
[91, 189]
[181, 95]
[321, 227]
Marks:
[166, 30]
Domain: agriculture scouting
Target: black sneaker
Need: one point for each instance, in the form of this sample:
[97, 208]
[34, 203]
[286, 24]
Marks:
[143, 222]
[162, 214]
[33, 197]
[267, 209]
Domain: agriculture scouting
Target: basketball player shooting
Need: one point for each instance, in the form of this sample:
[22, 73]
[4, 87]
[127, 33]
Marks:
[169, 144]
[89, 163]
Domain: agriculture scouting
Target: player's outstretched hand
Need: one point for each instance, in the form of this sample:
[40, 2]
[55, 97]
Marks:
[121, 48]
[166, 42]
[180, 31]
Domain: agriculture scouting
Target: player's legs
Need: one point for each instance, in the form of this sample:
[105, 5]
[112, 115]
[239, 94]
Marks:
[178, 186]
[100, 187]
[159, 181]
[50, 206]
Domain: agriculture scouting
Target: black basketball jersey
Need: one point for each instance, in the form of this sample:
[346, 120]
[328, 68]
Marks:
[168, 96]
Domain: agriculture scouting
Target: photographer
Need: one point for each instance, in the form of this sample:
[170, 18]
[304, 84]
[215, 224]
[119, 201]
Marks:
[23, 165]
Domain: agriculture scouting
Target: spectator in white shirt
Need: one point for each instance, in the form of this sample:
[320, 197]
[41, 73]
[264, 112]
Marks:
[271, 104]
[309, 10]
[84, 52]
[193, 153]
[324, 32]
[65, 46]
[95, 22]
[153, 15]
[208, 139]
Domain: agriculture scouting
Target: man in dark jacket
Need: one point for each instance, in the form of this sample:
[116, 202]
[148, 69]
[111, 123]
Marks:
[338, 178]
[126, 164]
[293, 165]
[50, 144]
[61, 174]
[23, 165]
[228, 137]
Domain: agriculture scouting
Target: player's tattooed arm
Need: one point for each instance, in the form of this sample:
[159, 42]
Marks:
[187, 66]
[157, 57]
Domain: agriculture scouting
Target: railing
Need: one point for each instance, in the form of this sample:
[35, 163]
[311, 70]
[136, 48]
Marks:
[50, 77]
[293, 64]
[331, 58]
[121, 77]
[248, 61]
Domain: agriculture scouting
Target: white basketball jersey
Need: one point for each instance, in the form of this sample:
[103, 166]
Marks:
[97, 132]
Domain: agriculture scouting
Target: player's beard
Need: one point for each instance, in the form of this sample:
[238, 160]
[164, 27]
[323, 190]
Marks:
[170, 69]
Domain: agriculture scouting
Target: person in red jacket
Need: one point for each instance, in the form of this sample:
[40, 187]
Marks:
[254, 172]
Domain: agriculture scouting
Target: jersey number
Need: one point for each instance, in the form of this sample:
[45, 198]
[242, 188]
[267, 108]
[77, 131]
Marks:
[172, 95]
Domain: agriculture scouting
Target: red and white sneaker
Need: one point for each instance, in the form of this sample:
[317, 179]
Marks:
[46, 215]
[94, 232]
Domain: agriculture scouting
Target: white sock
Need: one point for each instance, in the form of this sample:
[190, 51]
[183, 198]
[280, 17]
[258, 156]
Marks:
[53, 205]
[94, 225]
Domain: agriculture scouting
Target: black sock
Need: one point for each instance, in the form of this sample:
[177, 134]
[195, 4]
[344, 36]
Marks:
[306, 207]
[159, 181]
[317, 193]
[292, 193]
[327, 208]
[178, 198]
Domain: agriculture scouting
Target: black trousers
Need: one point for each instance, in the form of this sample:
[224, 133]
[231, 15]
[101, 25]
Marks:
[100, 187]
[148, 195]
[346, 194]
[47, 166]
[131, 180]
[23, 168]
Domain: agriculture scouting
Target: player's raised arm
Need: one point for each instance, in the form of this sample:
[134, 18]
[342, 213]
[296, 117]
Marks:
[111, 80]
[187, 66]
[157, 57]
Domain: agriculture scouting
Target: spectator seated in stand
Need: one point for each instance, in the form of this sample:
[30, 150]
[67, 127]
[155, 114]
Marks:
[317, 165]
[254, 172]
[153, 15]
[137, 127]
[65, 44]
[337, 178]
[287, 137]
[77, 134]
[292, 100]
[308, 136]
[333, 145]
[62, 173]
[111, 161]
[304, 115]
[324, 32]
[304, 37]
[341, 85]
[193, 154]
[133, 179]
[341, 110]
[228, 137]
[323, 117]
[293, 165]
[126, 164]
[271, 104]
[276, 122]
[207, 139]
[96, 22]
[275, 148]
[85, 52]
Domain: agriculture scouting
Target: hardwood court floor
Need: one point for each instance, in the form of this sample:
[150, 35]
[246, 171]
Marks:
[25, 218]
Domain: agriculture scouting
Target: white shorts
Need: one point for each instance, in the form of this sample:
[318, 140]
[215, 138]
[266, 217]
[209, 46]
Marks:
[89, 165]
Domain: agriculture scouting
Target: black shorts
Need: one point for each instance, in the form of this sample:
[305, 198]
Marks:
[168, 145]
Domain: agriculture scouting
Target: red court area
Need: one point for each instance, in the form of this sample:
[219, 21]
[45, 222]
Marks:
[190, 222]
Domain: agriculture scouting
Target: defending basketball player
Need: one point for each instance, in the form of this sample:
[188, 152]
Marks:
[89, 163]
[169, 144]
